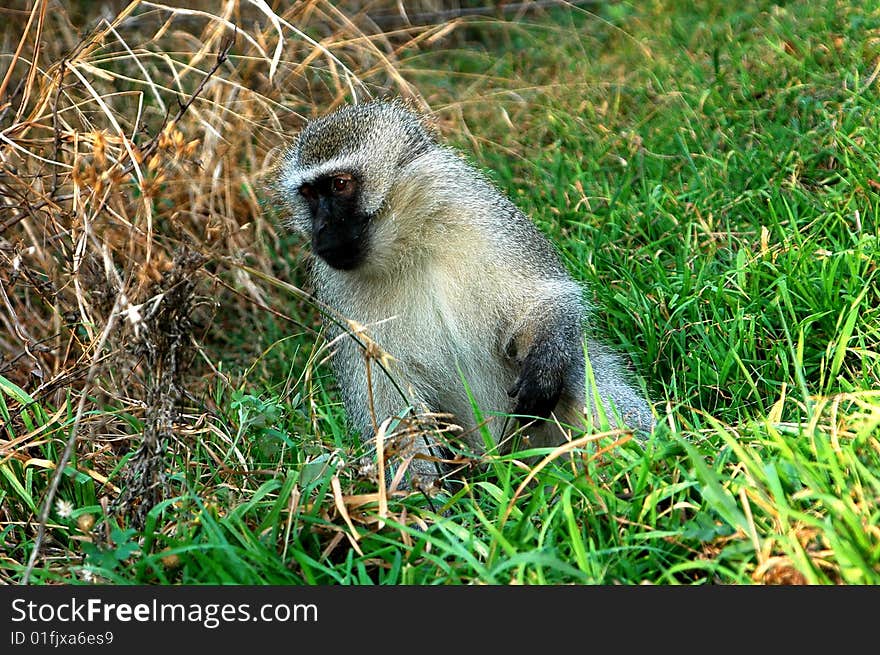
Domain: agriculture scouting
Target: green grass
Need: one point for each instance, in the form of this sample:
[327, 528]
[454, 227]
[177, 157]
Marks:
[710, 171]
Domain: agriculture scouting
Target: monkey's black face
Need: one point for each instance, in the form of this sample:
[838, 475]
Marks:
[339, 229]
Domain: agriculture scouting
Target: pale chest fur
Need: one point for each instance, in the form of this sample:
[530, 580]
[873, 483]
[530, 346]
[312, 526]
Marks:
[442, 327]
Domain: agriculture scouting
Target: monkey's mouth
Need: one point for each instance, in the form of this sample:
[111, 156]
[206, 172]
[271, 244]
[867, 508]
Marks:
[341, 256]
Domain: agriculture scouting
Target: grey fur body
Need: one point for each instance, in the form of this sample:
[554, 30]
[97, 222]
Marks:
[455, 282]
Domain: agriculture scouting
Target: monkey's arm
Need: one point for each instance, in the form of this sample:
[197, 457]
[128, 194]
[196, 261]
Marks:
[545, 343]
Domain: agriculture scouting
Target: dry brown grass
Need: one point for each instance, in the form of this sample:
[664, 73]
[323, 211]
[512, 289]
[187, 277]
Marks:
[141, 139]
[131, 229]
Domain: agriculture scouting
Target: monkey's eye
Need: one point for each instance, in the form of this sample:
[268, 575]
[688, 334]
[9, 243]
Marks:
[307, 191]
[342, 185]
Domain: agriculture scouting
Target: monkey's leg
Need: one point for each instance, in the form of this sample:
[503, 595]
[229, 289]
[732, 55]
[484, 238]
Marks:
[548, 348]
[545, 346]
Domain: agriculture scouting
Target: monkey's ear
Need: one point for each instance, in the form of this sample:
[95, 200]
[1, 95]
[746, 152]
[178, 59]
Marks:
[420, 109]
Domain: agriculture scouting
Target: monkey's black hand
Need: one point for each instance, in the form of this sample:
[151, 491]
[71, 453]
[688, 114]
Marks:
[540, 382]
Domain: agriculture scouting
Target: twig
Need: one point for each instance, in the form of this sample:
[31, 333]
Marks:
[32, 72]
[57, 130]
[440, 16]
[17, 55]
[71, 441]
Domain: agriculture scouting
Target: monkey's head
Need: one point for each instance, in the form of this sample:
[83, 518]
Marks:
[337, 176]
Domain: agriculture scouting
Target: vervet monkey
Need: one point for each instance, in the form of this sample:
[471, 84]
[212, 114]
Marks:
[454, 282]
